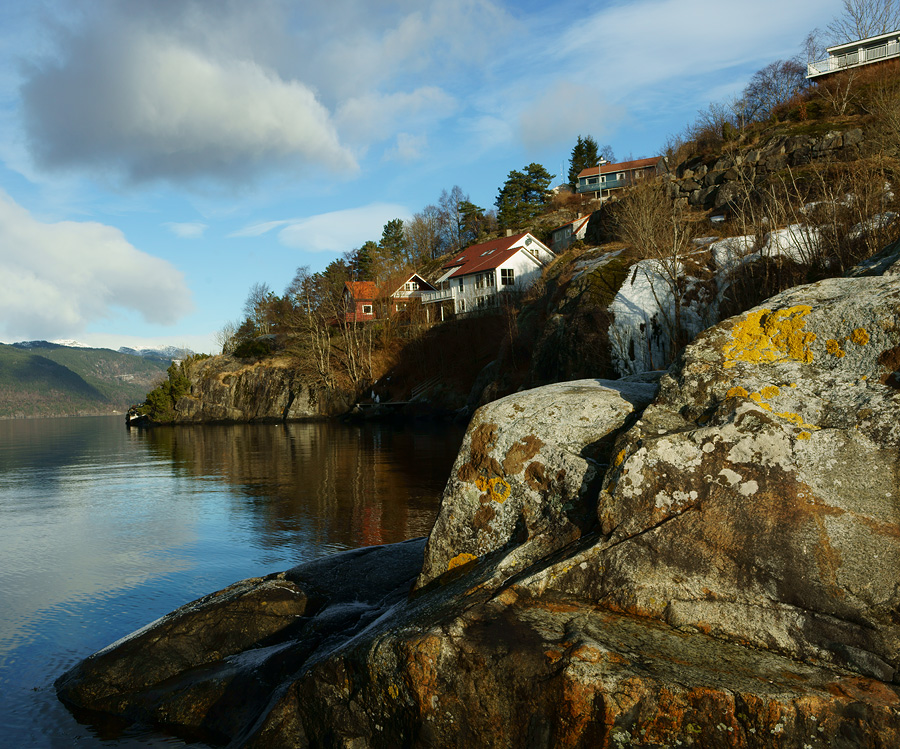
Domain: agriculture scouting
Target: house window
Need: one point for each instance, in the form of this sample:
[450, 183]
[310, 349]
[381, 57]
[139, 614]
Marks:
[460, 284]
[367, 309]
[410, 286]
[507, 276]
[490, 279]
[603, 178]
[462, 305]
[479, 281]
[620, 176]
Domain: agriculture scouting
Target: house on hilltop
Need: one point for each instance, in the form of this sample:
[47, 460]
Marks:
[855, 54]
[477, 277]
[603, 179]
[365, 301]
[562, 237]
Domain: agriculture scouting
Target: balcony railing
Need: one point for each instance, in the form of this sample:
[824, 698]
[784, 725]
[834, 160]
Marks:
[439, 295]
[610, 184]
[833, 63]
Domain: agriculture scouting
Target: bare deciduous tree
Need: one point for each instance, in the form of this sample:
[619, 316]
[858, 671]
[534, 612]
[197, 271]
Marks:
[864, 18]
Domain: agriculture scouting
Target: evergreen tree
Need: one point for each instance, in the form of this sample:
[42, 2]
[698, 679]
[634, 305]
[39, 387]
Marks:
[522, 196]
[586, 153]
[393, 242]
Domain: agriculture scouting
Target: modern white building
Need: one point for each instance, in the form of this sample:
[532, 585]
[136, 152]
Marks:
[856, 53]
[476, 278]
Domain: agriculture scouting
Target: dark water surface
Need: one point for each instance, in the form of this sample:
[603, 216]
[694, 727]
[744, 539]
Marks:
[103, 529]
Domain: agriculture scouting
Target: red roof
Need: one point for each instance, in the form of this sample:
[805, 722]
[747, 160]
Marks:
[485, 256]
[623, 166]
[576, 224]
[362, 290]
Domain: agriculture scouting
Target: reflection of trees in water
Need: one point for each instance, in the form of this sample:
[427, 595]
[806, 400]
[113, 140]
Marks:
[344, 485]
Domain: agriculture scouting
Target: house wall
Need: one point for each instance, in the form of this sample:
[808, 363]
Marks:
[473, 295]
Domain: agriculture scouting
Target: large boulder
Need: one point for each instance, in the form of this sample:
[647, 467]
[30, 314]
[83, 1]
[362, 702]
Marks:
[528, 470]
[758, 498]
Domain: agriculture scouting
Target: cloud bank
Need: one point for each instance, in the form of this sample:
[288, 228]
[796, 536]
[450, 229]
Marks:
[57, 278]
[335, 231]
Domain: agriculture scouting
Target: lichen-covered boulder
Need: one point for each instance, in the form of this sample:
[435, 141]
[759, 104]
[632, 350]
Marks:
[758, 498]
[528, 470]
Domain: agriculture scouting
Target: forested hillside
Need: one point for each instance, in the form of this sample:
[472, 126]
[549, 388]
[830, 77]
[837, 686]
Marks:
[53, 380]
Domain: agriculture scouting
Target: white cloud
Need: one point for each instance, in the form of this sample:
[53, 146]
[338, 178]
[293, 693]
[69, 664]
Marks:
[563, 109]
[187, 229]
[339, 231]
[146, 106]
[257, 230]
[56, 278]
[375, 116]
[407, 148]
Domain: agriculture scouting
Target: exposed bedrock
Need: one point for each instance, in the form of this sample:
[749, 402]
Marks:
[719, 568]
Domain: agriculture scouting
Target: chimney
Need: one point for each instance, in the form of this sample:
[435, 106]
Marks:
[509, 232]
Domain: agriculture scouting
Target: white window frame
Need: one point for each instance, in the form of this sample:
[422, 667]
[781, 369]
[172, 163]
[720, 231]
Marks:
[507, 276]
[367, 309]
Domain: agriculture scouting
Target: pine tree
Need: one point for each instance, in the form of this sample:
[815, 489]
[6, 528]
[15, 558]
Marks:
[522, 196]
[585, 154]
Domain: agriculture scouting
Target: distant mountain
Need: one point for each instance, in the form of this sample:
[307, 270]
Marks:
[41, 378]
[166, 353]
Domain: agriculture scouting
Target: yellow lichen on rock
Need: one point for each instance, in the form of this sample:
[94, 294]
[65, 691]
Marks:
[797, 419]
[459, 560]
[765, 336]
[770, 391]
[499, 490]
[860, 336]
[804, 436]
[620, 458]
[735, 392]
[833, 347]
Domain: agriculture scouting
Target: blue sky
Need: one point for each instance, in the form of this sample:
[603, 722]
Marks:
[158, 158]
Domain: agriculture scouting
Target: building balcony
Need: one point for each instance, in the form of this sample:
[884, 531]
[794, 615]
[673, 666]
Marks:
[609, 184]
[855, 54]
[440, 295]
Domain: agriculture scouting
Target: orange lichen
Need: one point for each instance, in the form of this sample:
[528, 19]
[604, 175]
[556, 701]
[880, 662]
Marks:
[620, 458]
[497, 488]
[459, 560]
[804, 436]
[737, 391]
[797, 419]
[770, 391]
[765, 336]
[860, 336]
[833, 347]
[756, 397]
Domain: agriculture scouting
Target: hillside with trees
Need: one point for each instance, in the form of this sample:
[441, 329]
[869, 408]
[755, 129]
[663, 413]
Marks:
[46, 379]
[788, 183]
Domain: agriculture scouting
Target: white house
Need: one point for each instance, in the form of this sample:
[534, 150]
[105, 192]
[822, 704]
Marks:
[856, 53]
[478, 276]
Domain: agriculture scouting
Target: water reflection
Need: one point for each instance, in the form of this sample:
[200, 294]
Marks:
[345, 485]
[103, 529]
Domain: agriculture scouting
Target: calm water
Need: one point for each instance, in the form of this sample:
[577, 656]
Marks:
[103, 529]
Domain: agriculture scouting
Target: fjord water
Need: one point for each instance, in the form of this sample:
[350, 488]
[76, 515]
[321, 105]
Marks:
[103, 529]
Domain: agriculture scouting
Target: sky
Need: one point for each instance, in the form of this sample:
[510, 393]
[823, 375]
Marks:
[157, 159]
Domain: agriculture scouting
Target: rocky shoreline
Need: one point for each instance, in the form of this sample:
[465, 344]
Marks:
[710, 562]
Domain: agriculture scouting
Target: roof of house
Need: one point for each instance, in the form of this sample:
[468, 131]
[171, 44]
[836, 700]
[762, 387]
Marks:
[362, 291]
[622, 166]
[576, 224]
[485, 256]
[398, 286]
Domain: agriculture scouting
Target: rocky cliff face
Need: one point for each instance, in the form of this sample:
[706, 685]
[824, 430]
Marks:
[718, 568]
[227, 389]
[713, 182]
